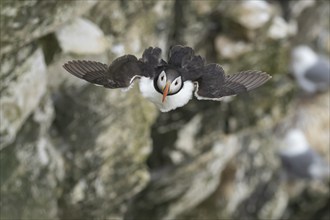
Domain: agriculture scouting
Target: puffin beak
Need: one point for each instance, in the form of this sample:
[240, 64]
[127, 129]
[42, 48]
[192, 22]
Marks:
[165, 91]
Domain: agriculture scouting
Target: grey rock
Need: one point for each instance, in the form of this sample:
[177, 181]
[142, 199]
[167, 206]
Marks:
[299, 205]
[174, 190]
[32, 169]
[21, 95]
[252, 14]
[280, 29]
[131, 24]
[105, 136]
[253, 189]
[307, 15]
[110, 155]
[237, 187]
[229, 49]
[81, 36]
[25, 21]
[12, 60]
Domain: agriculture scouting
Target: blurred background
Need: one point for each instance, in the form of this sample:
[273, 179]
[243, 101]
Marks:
[71, 150]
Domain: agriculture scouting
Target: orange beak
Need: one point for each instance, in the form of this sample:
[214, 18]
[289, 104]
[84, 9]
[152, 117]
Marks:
[165, 91]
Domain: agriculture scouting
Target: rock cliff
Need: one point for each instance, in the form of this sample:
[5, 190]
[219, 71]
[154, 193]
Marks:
[71, 150]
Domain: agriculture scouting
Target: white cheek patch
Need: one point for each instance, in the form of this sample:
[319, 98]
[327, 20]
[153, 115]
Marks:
[173, 101]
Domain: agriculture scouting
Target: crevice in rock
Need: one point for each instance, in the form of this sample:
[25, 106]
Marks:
[50, 47]
[178, 23]
[263, 192]
[164, 134]
[211, 206]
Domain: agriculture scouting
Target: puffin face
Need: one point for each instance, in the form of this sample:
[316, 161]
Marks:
[168, 82]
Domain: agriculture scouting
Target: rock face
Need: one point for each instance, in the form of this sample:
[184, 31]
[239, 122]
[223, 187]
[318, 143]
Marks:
[22, 95]
[25, 21]
[115, 140]
[32, 167]
[78, 151]
[69, 37]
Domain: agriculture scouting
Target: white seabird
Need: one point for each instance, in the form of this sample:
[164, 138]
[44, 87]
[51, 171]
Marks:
[311, 70]
[299, 160]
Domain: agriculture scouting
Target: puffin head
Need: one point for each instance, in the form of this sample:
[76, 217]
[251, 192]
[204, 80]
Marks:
[168, 82]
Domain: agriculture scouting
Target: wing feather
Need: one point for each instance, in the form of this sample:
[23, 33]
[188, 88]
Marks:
[152, 56]
[214, 84]
[190, 65]
[250, 79]
[120, 74]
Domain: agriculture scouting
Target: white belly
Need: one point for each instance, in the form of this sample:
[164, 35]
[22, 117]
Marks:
[172, 101]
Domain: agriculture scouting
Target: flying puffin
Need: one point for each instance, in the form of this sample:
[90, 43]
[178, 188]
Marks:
[171, 84]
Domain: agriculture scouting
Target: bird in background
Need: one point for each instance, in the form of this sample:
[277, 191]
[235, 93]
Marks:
[299, 160]
[170, 84]
[311, 70]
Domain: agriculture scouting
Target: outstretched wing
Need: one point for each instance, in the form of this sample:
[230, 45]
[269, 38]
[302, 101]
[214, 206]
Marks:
[120, 74]
[214, 84]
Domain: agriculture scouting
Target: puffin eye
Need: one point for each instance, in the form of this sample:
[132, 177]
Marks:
[161, 81]
[176, 85]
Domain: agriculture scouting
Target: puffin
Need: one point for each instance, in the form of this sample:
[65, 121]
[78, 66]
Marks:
[170, 84]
